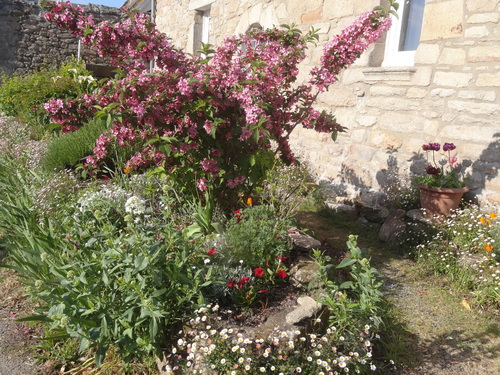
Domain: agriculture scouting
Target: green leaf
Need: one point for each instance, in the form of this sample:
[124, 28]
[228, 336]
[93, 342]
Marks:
[346, 262]
[35, 318]
[140, 262]
[346, 285]
[84, 344]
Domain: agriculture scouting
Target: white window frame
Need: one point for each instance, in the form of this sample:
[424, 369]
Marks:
[205, 26]
[392, 55]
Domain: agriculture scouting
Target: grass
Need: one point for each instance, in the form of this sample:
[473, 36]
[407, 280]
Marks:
[431, 318]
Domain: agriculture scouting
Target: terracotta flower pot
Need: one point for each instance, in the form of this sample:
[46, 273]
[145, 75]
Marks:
[440, 201]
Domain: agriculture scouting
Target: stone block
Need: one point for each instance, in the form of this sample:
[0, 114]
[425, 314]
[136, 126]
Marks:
[474, 107]
[452, 79]
[469, 133]
[477, 95]
[442, 20]
[492, 182]
[386, 140]
[398, 122]
[484, 18]
[366, 120]
[452, 56]
[393, 104]
[416, 93]
[427, 54]
[312, 16]
[488, 80]
[387, 91]
[443, 93]
[484, 53]
[476, 32]
[480, 5]
[338, 8]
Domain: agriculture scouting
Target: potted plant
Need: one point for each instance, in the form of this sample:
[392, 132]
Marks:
[442, 187]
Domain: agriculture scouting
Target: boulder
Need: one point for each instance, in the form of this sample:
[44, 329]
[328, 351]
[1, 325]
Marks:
[393, 225]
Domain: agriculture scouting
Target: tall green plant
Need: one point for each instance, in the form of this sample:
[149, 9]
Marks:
[122, 286]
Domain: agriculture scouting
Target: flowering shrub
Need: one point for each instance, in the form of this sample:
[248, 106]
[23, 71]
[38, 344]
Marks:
[207, 122]
[442, 174]
[24, 96]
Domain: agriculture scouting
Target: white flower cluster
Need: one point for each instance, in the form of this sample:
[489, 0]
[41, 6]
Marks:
[107, 196]
[135, 205]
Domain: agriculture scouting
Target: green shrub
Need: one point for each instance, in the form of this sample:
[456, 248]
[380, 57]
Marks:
[23, 96]
[67, 150]
[255, 236]
[123, 281]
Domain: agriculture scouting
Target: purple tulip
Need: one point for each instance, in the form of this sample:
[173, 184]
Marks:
[449, 147]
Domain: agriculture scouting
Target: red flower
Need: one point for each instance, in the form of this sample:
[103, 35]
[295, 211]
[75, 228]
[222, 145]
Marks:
[237, 213]
[231, 283]
[258, 272]
[433, 170]
[243, 281]
[211, 252]
[281, 273]
[262, 291]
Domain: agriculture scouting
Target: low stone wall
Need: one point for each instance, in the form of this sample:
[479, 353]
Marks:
[28, 41]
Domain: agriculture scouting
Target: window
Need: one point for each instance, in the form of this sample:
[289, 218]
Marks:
[201, 29]
[404, 36]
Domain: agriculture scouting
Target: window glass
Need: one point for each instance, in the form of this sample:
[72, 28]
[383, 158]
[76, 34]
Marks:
[412, 25]
[404, 36]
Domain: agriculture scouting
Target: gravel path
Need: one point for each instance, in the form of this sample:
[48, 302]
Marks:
[14, 358]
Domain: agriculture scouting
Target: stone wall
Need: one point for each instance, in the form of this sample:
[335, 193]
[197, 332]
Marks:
[27, 41]
[451, 94]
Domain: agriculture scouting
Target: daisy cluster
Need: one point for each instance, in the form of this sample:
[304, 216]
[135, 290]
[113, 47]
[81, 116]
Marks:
[206, 348]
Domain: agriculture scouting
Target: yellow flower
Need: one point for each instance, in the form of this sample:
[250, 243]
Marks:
[492, 216]
[249, 201]
[488, 247]
[482, 220]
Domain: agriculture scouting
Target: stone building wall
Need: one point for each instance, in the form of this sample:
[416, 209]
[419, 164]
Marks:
[451, 94]
[28, 42]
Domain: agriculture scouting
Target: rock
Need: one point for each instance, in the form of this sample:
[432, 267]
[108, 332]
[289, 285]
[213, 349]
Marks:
[418, 215]
[307, 308]
[304, 243]
[392, 226]
[374, 214]
[304, 272]
[288, 320]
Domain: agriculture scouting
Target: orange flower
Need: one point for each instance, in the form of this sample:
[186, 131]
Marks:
[488, 247]
[249, 201]
[482, 220]
[488, 222]
[127, 170]
[492, 216]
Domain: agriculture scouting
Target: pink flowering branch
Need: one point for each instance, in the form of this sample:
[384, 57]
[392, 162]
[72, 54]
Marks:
[210, 120]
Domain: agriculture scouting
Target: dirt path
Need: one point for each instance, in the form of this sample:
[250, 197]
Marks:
[15, 338]
[438, 332]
